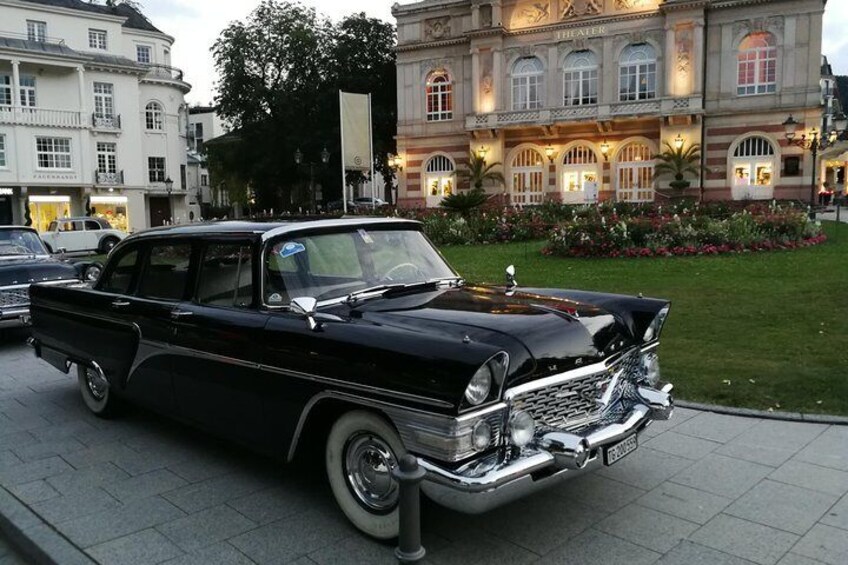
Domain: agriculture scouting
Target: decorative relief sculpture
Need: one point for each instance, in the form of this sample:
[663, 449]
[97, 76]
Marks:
[683, 51]
[430, 65]
[630, 4]
[578, 8]
[437, 28]
[535, 13]
[487, 83]
[771, 23]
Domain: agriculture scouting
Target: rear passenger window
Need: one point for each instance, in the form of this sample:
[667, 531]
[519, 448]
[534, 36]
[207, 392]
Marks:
[119, 280]
[226, 276]
[91, 225]
[167, 272]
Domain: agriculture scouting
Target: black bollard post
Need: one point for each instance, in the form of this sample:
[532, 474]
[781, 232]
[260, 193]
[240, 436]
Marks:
[409, 476]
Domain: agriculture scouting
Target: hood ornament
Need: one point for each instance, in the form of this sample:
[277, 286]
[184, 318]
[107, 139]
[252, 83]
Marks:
[511, 283]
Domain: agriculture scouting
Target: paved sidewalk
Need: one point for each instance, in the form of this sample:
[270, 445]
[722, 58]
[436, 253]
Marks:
[703, 488]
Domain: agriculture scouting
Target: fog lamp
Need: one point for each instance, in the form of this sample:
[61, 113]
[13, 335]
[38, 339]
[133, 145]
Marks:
[650, 365]
[522, 428]
[481, 435]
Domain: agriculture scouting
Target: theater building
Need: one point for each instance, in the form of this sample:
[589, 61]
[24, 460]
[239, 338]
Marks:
[575, 98]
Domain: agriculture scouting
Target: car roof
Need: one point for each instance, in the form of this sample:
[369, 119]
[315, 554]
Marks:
[28, 228]
[265, 230]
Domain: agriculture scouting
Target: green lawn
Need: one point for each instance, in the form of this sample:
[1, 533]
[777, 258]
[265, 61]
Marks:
[775, 325]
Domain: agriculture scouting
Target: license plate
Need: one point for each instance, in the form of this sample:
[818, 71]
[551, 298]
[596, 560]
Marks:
[615, 452]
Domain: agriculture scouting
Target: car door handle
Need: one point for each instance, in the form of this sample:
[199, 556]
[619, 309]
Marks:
[177, 314]
[120, 304]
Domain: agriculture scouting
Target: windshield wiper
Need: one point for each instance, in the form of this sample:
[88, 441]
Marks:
[384, 290]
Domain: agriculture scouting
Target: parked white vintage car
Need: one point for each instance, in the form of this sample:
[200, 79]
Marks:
[81, 234]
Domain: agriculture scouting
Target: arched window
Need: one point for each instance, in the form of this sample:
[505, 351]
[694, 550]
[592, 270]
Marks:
[153, 116]
[580, 173]
[757, 64]
[439, 97]
[439, 179]
[580, 79]
[528, 84]
[753, 163]
[637, 73]
[528, 168]
[635, 173]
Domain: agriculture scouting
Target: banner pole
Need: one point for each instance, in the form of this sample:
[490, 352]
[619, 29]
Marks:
[373, 157]
[341, 127]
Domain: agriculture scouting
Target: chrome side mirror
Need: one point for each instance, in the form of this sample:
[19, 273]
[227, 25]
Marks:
[510, 278]
[306, 306]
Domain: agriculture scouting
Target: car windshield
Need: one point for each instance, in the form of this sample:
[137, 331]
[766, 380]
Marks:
[20, 242]
[334, 265]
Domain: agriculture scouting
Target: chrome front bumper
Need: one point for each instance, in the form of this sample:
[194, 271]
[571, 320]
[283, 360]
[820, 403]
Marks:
[501, 478]
[14, 318]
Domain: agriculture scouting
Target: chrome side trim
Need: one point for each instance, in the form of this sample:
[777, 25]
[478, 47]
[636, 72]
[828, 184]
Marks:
[340, 223]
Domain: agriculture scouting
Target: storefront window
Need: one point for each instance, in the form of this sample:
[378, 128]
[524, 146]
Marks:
[113, 209]
[45, 209]
[439, 179]
[753, 162]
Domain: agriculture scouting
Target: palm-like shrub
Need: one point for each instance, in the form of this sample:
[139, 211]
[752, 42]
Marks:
[478, 172]
[464, 202]
[679, 162]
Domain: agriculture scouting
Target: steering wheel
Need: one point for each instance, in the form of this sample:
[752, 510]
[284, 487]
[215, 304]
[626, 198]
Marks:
[411, 266]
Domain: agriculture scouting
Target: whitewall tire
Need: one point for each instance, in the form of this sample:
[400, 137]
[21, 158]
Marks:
[362, 450]
[96, 392]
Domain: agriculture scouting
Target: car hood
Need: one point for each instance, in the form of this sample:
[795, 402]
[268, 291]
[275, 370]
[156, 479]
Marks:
[557, 333]
[28, 270]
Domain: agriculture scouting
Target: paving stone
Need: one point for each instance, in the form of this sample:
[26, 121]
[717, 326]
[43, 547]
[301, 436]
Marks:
[825, 544]
[772, 442]
[14, 439]
[212, 492]
[270, 505]
[218, 554]
[8, 459]
[36, 491]
[782, 506]
[648, 528]
[475, 546]
[812, 477]
[682, 445]
[593, 546]
[685, 502]
[755, 542]
[646, 468]
[42, 450]
[102, 453]
[140, 548]
[142, 486]
[716, 427]
[79, 503]
[660, 426]
[795, 559]
[597, 491]
[290, 538]
[838, 515]
[690, 553]
[34, 470]
[355, 549]
[101, 527]
[198, 469]
[722, 475]
[205, 528]
[88, 477]
[830, 449]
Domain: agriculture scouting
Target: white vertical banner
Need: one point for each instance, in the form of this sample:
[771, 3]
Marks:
[356, 133]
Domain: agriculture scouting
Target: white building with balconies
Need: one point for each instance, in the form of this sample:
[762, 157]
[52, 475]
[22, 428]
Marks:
[93, 118]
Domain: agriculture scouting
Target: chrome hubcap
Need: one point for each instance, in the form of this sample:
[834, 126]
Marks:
[368, 466]
[97, 385]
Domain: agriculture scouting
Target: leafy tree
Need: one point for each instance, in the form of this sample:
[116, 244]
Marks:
[679, 163]
[478, 172]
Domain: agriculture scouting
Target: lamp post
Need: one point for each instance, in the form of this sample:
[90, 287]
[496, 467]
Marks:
[298, 159]
[169, 188]
[815, 142]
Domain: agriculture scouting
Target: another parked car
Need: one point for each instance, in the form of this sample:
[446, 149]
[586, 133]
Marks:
[81, 234]
[23, 261]
[356, 335]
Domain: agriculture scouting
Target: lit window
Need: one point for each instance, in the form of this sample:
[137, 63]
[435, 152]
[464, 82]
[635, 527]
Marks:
[142, 54]
[753, 162]
[36, 31]
[156, 169]
[637, 73]
[580, 79]
[106, 158]
[528, 176]
[757, 64]
[153, 116]
[528, 84]
[97, 39]
[439, 97]
[440, 179]
[53, 152]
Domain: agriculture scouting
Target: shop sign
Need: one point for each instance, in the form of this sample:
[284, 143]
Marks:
[6, 192]
[55, 176]
[579, 33]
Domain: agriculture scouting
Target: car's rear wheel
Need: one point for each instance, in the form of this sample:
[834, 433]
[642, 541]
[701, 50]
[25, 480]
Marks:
[362, 450]
[107, 244]
[96, 391]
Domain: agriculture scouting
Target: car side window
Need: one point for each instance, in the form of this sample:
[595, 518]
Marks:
[91, 225]
[166, 272]
[226, 276]
[119, 279]
[77, 226]
[66, 226]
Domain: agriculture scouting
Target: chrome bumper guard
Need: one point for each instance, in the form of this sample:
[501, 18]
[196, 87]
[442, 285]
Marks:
[499, 478]
[14, 318]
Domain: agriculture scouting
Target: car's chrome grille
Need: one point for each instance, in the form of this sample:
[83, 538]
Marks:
[14, 298]
[572, 403]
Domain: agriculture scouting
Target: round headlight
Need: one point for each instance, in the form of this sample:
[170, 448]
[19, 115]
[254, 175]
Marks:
[480, 385]
[650, 368]
[481, 435]
[522, 428]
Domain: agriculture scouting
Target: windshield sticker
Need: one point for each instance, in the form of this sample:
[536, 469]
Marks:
[291, 248]
[365, 237]
[275, 299]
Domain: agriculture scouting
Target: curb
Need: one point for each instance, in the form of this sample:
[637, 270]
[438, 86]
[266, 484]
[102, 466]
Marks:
[751, 413]
[33, 538]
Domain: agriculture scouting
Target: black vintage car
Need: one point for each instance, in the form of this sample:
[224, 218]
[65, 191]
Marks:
[23, 261]
[357, 334]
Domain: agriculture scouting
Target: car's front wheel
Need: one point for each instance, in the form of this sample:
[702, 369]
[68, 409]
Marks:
[96, 391]
[362, 450]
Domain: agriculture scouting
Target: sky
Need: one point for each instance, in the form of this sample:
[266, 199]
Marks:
[197, 23]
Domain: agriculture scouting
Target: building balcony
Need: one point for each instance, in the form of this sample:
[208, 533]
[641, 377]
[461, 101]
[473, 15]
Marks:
[106, 122]
[164, 73]
[598, 112]
[108, 179]
[41, 117]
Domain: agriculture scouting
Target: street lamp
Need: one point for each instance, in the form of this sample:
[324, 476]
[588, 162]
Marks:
[298, 159]
[169, 188]
[814, 142]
